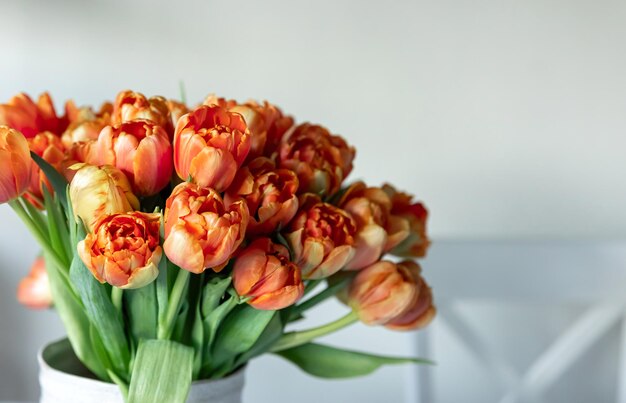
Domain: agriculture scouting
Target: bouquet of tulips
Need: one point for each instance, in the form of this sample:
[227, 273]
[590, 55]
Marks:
[179, 243]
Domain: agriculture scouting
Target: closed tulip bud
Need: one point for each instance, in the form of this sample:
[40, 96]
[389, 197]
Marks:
[23, 114]
[264, 273]
[33, 291]
[321, 237]
[422, 311]
[15, 164]
[415, 215]
[141, 150]
[321, 160]
[377, 230]
[130, 105]
[382, 292]
[210, 144]
[123, 249]
[99, 191]
[270, 195]
[49, 147]
[200, 231]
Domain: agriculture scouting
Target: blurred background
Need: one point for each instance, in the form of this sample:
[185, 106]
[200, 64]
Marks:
[505, 117]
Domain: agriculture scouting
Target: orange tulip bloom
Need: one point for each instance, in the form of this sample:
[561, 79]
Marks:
[200, 231]
[177, 110]
[141, 150]
[131, 105]
[382, 292]
[415, 214]
[321, 160]
[422, 311]
[210, 144]
[99, 191]
[270, 194]
[34, 289]
[124, 249]
[49, 147]
[15, 164]
[377, 230]
[321, 237]
[30, 118]
[264, 273]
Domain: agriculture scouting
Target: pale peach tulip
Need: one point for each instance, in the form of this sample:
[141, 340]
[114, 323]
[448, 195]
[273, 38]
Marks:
[264, 273]
[96, 192]
[123, 249]
[200, 231]
[130, 105]
[422, 311]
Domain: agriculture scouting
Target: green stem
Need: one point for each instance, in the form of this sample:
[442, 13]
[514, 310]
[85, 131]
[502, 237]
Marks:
[116, 297]
[318, 298]
[40, 237]
[294, 339]
[120, 383]
[173, 304]
[311, 285]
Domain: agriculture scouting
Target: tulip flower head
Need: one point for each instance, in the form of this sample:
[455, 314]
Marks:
[33, 291]
[200, 230]
[377, 230]
[415, 215]
[124, 249]
[15, 164]
[321, 237]
[140, 149]
[382, 292]
[264, 273]
[130, 105]
[49, 147]
[270, 194]
[321, 160]
[422, 311]
[99, 191]
[210, 144]
[23, 114]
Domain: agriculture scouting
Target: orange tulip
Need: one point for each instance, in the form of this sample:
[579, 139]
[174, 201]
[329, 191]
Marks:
[15, 164]
[30, 118]
[264, 273]
[382, 292]
[415, 214]
[34, 289]
[270, 194]
[200, 231]
[49, 147]
[321, 237]
[177, 110]
[99, 191]
[124, 249]
[321, 160]
[422, 311]
[131, 105]
[210, 144]
[377, 230]
[141, 150]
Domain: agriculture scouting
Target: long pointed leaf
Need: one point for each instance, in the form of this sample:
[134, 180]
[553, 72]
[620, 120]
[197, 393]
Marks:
[58, 182]
[161, 373]
[329, 362]
[102, 314]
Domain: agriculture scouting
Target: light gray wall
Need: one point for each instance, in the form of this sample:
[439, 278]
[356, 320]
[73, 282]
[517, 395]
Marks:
[506, 117]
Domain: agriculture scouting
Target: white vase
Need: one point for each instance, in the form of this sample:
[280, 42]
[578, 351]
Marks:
[64, 379]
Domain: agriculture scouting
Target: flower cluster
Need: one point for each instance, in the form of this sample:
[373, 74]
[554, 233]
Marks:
[228, 187]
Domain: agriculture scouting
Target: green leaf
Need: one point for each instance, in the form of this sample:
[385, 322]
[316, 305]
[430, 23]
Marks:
[102, 314]
[72, 314]
[212, 294]
[271, 334]
[141, 307]
[329, 362]
[239, 332]
[57, 228]
[161, 373]
[58, 182]
[211, 324]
